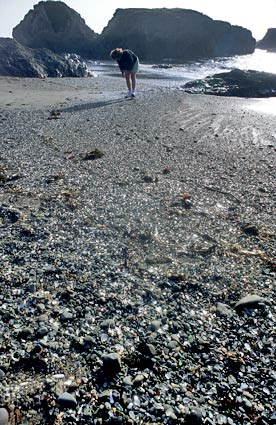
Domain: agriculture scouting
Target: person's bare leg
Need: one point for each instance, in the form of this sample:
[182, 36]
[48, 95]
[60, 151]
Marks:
[128, 83]
[133, 81]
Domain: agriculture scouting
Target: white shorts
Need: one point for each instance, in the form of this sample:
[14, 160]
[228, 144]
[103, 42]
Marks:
[135, 66]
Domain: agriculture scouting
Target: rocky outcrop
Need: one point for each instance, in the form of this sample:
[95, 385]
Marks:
[174, 34]
[55, 26]
[269, 40]
[235, 83]
[19, 61]
[154, 34]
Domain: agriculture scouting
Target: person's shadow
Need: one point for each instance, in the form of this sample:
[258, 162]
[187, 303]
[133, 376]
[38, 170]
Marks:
[93, 105]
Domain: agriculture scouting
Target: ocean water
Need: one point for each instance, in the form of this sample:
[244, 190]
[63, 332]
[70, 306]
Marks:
[180, 73]
[260, 60]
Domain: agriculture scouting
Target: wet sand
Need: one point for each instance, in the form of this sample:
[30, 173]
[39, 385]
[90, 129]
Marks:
[50, 92]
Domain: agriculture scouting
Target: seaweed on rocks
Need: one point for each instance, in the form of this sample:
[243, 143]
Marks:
[92, 155]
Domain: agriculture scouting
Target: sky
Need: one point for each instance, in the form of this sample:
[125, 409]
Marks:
[255, 15]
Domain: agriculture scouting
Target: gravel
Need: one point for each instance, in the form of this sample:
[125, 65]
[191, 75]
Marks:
[137, 257]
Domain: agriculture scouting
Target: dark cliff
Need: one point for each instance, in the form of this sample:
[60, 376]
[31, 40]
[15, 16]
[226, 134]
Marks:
[269, 40]
[176, 34]
[154, 34]
[55, 26]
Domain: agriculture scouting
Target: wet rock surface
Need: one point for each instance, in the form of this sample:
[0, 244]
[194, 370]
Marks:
[119, 302]
[236, 83]
[17, 60]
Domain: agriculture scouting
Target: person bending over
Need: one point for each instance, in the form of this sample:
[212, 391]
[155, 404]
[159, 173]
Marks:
[128, 63]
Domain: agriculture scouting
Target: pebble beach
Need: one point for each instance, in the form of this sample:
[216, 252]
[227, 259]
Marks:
[137, 255]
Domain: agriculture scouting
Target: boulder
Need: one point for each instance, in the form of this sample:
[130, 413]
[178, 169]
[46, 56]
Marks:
[269, 41]
[19, 61]
[158, 35]
[235, 83]
[57, 27]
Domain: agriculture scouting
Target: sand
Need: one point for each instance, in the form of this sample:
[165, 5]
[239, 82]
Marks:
[36, 93]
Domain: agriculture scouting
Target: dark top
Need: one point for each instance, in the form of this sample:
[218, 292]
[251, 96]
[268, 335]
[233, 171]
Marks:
[127, 60]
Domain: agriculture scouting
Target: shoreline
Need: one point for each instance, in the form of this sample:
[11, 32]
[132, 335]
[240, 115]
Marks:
[57, 93]
[132, 228]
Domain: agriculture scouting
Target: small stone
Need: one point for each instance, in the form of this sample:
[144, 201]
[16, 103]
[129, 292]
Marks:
[132, 415]
[173, 345]
[127, 381]
[247, 404]
[104, 395]
[149, 178]
[151, 350]
[170, 413]
[91, 156]
[88, 341]
[194, 417]
[66, 316]
[4, 416]
[67, 400]
[31, 288]
[42, 331]
[107, 406]
[105, 324]
[250, 229]
[251, 301]
[138, 379]
[54, 115]
[111, 364]
[187, 203]
[159, 407]
[155, 325]
[9, 214]
[24, 333]
[223, 310]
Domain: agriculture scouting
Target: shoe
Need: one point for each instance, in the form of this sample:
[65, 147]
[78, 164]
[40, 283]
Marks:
[128, 94]
[133, 94]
